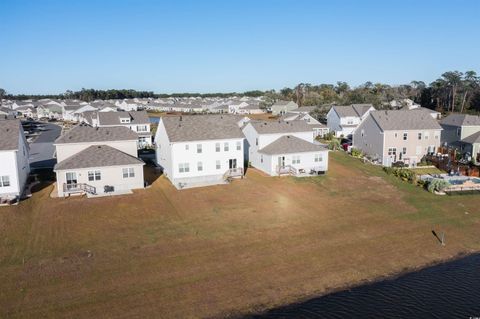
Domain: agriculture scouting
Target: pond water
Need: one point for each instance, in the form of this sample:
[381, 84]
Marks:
[449, 290]
[154, 120]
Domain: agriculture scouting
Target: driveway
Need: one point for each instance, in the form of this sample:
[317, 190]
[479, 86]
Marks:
[42, 149]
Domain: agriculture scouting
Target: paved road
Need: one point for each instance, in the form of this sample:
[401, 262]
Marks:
[42, 149]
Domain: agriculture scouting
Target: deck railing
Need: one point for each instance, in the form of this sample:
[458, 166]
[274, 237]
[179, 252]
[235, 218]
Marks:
[233, 172]
[286, 170]
[79, 187]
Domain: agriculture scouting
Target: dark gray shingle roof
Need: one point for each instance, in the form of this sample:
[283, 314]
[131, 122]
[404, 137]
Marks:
[405, 120]
[202, 127]
[290, 144]
[113, 118]
[9, 131]
[456, 119]
[272, 127]
[82, 134]
[98, 156]
[472, 139]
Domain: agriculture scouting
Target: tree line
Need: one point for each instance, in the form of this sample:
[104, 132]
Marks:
[453, 91]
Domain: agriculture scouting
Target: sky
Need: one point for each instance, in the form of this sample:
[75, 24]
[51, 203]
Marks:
[48, 47]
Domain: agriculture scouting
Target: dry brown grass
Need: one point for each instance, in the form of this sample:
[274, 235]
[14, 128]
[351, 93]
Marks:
[256, 243]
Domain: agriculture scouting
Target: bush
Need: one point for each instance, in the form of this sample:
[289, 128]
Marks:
[398, 164]
[334, 145]
[402, 173]
[437, 185]
[356, 152]
[329, 136]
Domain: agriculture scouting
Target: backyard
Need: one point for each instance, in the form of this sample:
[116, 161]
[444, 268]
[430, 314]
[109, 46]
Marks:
[224, 250]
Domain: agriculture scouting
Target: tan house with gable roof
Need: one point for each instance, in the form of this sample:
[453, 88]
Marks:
[392, 136]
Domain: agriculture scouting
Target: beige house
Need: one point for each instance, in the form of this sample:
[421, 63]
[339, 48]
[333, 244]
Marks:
[98, 160]
[392, 136]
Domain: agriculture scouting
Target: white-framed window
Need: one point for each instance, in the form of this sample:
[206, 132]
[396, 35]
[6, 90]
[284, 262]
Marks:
[226, 146]
[239, 146]
[124, 120]
[141, 128]
[296, 159]
[404, 150]
[199, 148]
[184, 167]
[217, 147]
[187, 147]
[405, 136]
[436, 136]
[128, 172]
[218, 165]
[349, 122]
[4, 181]
[142, 139]
[318, 158]
[199, 166]
[94, 176]
[419, 135]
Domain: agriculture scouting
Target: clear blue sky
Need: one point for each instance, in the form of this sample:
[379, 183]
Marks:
[219, 46]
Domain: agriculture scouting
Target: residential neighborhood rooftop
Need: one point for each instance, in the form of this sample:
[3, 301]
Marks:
[354, 110]
[456, 119]
[113, 118]
[289, 144]
[272, 127]
[404, 120]
[9, 132]
[84, 133]
[202, 127]
[97, 156]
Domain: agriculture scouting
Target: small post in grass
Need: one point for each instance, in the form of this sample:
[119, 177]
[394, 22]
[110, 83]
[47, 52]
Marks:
[443, 238]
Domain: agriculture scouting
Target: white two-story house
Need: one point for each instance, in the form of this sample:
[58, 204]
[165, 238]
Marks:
[200, 150]
[392, 136]
[284, 147]
[343, 120]
[98, 160]
[14, 168]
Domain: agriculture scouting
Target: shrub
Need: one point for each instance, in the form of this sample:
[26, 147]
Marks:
[356, 152]
[437, 185]
[398, 164]
[334, 144]
[329, 136]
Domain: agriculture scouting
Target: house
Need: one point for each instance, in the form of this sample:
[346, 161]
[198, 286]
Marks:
[137, 121]
[318, 128]
[199, 150]
[6, 112]
[97, 160]
[343, 120]
[26, 111]
[14, 153]
[284, 147]
[462, 132]
[50, 111]
[392, 136]
[282, 107]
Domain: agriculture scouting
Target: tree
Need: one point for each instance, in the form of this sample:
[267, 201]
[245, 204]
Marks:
[470, 83]
[453, 79]
[2, 94]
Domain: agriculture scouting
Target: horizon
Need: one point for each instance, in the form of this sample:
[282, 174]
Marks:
[217, 47]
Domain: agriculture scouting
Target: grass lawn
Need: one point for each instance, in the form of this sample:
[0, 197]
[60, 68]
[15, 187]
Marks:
[253, 244]
[427, 170]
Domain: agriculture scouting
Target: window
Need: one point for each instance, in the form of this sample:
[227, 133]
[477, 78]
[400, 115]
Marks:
[426, 135]
[436, 136]
[225, 146]
[141, 128]
[217, 147]
[239, 146]
[404, 150]
[94, 176]
[128, 172]
[199, 166]
[392, 151]
[186, 147]
[125, 120]
[4, 181]
[405, 136]
[420, 135]
[142, 140]
[459, 131]
[350, 122]
[199, 148]
[218, 165]
[256, 141]
[296, 159]
[183, 167]
[261, 158]
[318, 158]
[396, 135]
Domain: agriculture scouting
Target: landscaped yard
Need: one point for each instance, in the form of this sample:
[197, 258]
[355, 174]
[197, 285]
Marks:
[256, 243]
